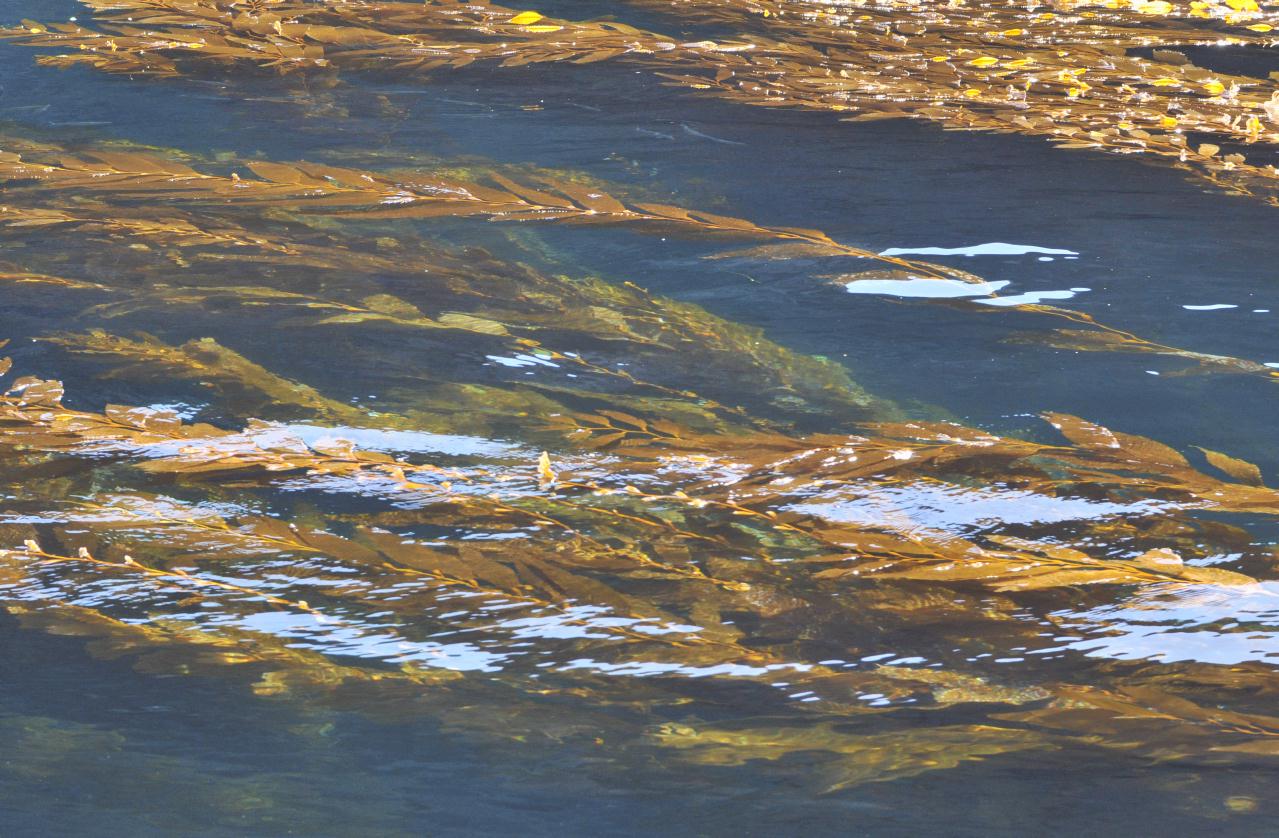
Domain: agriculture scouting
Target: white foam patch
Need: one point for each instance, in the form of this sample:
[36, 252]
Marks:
[1224, 626]
[521, 360]
[988, 249]
[924, 287]
[1029, 298]
[1213, 307]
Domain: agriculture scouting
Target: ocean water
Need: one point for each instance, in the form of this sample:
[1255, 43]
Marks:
[540, 728]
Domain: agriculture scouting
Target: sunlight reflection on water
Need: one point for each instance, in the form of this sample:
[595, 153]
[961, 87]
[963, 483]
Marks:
[1207, 625]
[958, 509]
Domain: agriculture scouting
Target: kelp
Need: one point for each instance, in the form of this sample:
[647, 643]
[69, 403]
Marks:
[509, 311]
[187, 536]
[1132, 717]
[617, 557]
[118, 190]
[629, 526]
[685, 558]
[1083, 75]
[1077, 74]
[52, 749]
[1098, 460]
[1087, 340]
[851, 758]
[20, 278]
[212, 365]
[331, 190]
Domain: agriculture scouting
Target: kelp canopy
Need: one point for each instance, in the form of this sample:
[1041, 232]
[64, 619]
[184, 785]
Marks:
[284, 424]
[1105, 76]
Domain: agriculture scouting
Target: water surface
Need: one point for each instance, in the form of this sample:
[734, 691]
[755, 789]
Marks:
[566, 716]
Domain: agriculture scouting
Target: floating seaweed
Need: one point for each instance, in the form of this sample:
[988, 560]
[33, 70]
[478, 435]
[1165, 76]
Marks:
[598, 544]
[513, 305]
[551, 523]
[317, 188]
[1073, 75]
[1088, 340]
[114, 181]
[852, 758]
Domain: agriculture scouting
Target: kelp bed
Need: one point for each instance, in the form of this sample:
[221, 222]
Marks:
[1104, 76]
[560, 523]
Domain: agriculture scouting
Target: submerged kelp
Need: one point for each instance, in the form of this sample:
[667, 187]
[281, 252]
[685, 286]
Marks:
[1080, 73]
[281, 216]
[49, 751]
[467, 304]
[125, 177]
